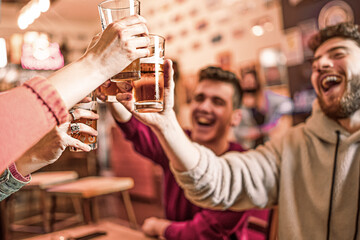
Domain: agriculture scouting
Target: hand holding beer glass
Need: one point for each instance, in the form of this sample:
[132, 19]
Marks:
[110, 11]
[84, 122]
[148, 92]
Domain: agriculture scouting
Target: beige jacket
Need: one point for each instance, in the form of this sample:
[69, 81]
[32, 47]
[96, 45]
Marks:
[295, 172]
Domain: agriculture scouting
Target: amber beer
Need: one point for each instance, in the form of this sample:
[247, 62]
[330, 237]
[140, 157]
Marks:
[149, 90]
[85, 137]
[131, 72]
[110, 92]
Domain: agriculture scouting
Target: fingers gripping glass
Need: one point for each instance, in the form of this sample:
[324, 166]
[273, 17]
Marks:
[110, 11]
[75, 127]
[149, 90]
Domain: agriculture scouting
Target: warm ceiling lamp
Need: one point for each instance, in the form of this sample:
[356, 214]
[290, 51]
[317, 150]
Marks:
[32, 11]
[3, 53]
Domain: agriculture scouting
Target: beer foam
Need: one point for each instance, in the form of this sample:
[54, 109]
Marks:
[152, 59]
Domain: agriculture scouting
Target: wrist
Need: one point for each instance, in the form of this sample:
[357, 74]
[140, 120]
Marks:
[92, 63]
[166, 124]
[77, 80]
[18, 175]
[119, 112]
[163, 226]
[27, 164]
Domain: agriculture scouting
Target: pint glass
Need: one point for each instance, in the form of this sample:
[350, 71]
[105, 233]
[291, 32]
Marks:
[110, 11]
[149, 90]
[85, 137]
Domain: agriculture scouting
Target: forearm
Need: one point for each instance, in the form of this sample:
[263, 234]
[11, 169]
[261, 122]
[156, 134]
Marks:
[214, 183]
[177, 146]
[119, 112]
[78, 79]
[27, 164]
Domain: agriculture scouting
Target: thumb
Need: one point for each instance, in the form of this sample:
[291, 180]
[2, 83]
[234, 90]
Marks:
[169, 85]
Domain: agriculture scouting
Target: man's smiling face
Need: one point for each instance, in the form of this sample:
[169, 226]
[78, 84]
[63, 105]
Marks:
[211, 111]
[336, 77]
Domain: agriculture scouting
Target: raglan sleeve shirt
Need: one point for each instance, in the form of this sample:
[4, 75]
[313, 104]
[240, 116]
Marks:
[235, 180]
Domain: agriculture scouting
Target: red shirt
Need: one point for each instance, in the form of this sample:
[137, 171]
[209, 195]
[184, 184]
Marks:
[189, 220]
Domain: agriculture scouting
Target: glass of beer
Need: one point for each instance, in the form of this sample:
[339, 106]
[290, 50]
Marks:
[110, 11]
[148, 91]
[85, 137]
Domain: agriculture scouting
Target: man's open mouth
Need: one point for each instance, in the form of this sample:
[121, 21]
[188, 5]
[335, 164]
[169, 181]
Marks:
[203, 121]
[329, 82]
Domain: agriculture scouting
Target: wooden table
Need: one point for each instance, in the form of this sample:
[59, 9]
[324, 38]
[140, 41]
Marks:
[45, 180]
[113, 231]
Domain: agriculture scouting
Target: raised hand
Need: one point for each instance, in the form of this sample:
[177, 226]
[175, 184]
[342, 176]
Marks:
[120, 44]
[156, 120]
[53, 144]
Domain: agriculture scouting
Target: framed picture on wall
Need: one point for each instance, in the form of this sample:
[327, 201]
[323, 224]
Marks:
[224, 60]
[308, 28]
[273, 66]
[293, 47]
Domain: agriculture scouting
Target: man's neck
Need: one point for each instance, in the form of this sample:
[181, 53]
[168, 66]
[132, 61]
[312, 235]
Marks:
[352, 123]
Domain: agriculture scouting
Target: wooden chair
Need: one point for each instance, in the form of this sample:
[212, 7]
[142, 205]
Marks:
[40, 182]
[84, 192]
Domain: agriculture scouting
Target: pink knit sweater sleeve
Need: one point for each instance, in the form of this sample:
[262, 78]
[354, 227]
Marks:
[28, 112]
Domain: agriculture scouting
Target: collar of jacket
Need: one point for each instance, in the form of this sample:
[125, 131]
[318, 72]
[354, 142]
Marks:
[325, 128]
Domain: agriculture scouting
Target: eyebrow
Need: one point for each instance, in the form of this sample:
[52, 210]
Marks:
[328, 51]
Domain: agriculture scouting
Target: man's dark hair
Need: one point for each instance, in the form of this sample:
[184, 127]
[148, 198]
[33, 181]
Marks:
[345, 30]
[218, 74]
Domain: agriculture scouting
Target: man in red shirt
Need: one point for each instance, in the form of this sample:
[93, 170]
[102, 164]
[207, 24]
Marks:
[214, 111]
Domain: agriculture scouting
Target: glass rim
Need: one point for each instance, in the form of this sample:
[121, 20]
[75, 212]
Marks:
[157, 35]
[100, 5]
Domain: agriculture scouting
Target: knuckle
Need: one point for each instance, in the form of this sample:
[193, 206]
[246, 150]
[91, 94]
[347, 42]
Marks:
[77, 111]
[126, 45]
[121, 34]
[131, 55]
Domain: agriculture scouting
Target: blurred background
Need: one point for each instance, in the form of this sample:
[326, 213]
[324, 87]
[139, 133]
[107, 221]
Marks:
[270, 34]
[38, 37]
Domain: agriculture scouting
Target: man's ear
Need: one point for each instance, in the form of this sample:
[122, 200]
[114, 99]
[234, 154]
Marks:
[236, 117]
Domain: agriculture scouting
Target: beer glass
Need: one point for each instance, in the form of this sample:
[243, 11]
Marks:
[148, 91]
[110, 11]
[85, 137]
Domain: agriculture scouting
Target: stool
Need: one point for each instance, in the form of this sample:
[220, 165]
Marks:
[39, 183]
[84, 192]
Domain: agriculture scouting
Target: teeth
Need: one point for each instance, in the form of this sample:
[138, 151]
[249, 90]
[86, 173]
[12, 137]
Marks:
[326, 83]
[331, 79]
[203, 120]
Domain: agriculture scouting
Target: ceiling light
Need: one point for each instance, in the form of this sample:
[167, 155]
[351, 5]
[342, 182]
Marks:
[257, 30]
